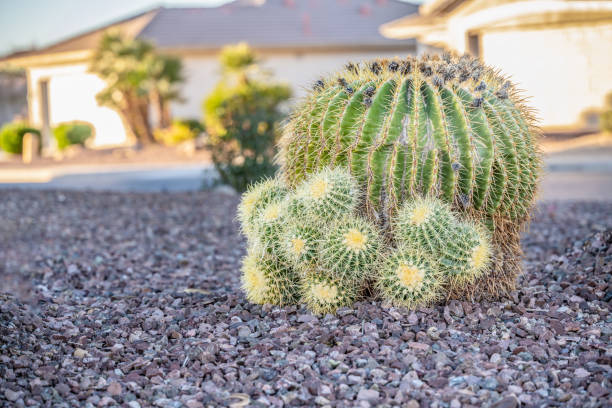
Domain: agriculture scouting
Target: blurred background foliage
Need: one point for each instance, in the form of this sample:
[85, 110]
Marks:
[242, 116]
[72, 133]
[137, 78]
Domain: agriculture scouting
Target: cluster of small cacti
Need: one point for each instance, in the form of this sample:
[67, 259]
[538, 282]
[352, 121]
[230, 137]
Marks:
[311, 245]
[438, 126]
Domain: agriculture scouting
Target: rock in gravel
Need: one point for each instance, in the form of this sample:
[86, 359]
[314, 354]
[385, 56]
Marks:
[506, 402]
[581, 373]
[114, 388]
[368, 395]
[11, 395]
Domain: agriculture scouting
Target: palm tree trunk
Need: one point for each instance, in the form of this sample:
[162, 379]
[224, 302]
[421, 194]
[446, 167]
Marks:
[137, 117]
[162, 110]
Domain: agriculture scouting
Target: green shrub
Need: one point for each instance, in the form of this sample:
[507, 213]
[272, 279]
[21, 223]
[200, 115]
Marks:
[11, 136]
[173, 135]
[241, 117]
[606, 116]
[72, 133]
[180, 131]
[193, 124]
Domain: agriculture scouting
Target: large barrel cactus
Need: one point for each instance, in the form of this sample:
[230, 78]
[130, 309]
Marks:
[446, 127]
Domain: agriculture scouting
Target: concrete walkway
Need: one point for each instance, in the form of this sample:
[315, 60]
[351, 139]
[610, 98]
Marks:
[135, 178]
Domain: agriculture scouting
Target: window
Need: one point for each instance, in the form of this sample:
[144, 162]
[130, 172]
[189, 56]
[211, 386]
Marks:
[473, 44]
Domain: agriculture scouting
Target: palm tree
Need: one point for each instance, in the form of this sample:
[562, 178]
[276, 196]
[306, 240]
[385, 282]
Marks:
[166, 74]
[136, 75]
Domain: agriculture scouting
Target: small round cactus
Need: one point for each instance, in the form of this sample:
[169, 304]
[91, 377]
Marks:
[299, 244]
[462, 249]
[268, 226]
[421, 220]
[407, 277]
[254, 199]
[467, 255]
[267, 279]
[326, 195]
[350, 248]
[323, 293]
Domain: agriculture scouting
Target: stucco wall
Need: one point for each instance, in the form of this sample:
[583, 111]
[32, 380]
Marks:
[72, 93]
[565, 70]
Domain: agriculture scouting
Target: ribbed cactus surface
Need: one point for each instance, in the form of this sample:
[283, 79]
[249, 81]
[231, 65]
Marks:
[447, 127]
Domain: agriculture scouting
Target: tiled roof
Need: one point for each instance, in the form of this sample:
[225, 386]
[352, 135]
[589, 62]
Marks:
[278, 24]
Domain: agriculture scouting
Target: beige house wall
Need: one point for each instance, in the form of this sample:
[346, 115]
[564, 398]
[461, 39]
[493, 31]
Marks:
[566, 71]
[72, 96]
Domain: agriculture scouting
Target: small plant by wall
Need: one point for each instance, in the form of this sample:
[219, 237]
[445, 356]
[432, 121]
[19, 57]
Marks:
[72, 133]
[180, 131]
[606, 115]
[11, 136]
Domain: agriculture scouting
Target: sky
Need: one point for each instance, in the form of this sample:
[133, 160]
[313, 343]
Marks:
[27, 23]
[34, 23]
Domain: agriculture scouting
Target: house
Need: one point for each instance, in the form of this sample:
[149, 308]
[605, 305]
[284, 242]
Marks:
[559, 51]
[298, 40]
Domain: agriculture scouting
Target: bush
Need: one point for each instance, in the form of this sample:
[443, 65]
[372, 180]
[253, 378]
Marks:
[241, 116]
[606, 116]
[72, 133]
[11, 136]
[180, 131]
[195, 125]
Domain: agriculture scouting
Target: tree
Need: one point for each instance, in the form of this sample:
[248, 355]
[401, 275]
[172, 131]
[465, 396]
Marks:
[166, 74]
[241, 116]
[135, 74]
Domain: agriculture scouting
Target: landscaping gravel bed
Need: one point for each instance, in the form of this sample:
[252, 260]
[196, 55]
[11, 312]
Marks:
[134, 300]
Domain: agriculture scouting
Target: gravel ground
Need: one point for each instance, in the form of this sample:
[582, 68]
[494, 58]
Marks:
[133, 300]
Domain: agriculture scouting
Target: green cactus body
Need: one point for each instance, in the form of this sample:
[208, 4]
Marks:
[255, 199]
[408, 278]
[299, 243]
[323, 293]
[324, 196]
[461, 249]
[267, 279]
[446, 127]
[269, 225]
[467, 256]
[349, 249]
